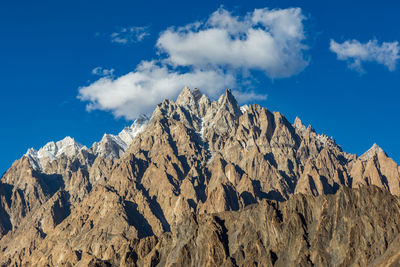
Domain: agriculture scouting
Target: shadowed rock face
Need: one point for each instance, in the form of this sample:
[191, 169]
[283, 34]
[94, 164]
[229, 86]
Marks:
[350, 228]
[201, 182]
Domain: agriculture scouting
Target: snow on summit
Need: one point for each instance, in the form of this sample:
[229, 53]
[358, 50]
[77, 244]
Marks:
[110, 146]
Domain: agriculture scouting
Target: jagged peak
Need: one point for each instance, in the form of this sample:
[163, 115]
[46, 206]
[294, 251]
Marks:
[229, 101]
[51, 151]
[129, 133]
[184, 93]
[204, 100]
[107, 136]
[228, 96]
[188, 97]
[68, 141]
[109, 143]
[369, 154]
[57, 148]
[302, 130]
[198, 103]
[298, 124]
[70, 148]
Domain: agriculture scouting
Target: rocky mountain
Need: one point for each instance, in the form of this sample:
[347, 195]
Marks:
[201, 183]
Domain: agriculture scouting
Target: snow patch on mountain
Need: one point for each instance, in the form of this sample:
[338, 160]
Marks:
[129, 133]
[113, 146]
[244, 108]
[51, 151]
[110, 146]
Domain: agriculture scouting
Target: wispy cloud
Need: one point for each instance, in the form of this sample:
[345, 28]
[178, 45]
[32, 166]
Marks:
[102, 71]
[248, 96]
[129, 35]
[355, 53]
[211, 55]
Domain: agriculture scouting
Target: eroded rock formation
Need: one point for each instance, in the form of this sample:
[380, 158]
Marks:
[201, 183]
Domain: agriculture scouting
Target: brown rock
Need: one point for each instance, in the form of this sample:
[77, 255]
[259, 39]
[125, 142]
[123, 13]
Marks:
[192, 190]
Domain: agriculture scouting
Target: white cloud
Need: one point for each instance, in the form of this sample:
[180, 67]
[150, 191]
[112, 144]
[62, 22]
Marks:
[102, 71]
[213, 55]
[248, 96]
[129, 35]
[266, 40]
[140, 91]
[355, 53]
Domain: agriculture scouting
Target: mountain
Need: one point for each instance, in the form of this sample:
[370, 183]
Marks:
[198, 183]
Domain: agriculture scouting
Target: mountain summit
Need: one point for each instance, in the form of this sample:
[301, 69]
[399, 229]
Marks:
[201, 183]
[375, 149]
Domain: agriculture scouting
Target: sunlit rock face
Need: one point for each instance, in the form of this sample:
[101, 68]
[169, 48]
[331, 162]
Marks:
[201, 182]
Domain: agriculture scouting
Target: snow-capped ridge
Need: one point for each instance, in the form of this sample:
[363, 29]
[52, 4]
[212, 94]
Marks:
[113, 146]
[52, 151]
[110, 146]
[129, 133]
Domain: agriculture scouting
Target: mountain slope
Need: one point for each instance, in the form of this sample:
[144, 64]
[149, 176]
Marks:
[192, 157]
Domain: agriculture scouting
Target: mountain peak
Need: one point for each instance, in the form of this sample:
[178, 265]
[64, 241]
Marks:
[51, 151]
[375, 149]
[68, 141]
[195, 158]
[229, 102]
[298, 124]
[113, 146]
[129, 133]
[188, 97]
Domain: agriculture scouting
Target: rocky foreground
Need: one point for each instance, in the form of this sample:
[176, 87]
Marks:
[202, 183]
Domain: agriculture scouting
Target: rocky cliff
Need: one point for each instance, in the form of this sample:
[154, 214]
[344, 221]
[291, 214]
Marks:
[201, 183]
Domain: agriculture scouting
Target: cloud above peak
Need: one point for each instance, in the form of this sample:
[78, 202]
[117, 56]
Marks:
[139, 91]
[218, 53]
[266, 40]
[355, 53]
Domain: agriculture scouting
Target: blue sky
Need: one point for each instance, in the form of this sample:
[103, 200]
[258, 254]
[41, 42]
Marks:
[50, 51]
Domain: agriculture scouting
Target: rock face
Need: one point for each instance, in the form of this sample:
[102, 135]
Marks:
[351, 228]
[201, 183]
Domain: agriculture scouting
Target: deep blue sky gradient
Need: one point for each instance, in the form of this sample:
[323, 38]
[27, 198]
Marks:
[49, 48]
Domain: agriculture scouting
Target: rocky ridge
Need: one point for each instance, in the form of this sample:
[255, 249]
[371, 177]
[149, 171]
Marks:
[196, 163]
